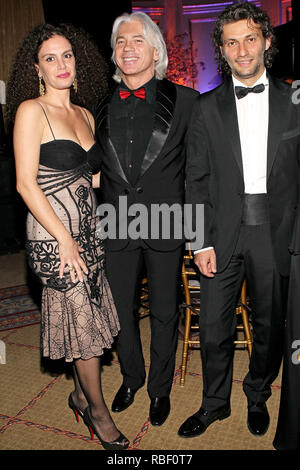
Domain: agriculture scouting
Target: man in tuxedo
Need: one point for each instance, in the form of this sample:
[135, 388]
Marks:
[141, 128]
[244, 168]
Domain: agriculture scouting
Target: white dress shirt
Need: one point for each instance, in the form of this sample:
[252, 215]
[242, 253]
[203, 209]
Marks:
[253, 122]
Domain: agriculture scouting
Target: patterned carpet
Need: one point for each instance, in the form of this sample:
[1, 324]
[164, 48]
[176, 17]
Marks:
[17, 308]
[34, 414]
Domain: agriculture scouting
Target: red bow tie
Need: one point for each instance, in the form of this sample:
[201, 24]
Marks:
[140, 93]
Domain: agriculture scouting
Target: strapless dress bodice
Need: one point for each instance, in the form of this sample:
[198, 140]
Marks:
[63, 154]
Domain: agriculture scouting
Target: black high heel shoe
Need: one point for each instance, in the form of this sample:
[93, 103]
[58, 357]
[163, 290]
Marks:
[117, 444]
[77, 411]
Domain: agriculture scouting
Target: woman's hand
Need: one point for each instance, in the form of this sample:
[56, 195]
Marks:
[69, 252]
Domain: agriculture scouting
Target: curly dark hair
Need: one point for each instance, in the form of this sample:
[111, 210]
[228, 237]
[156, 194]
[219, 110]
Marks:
[243, 11]
[91, 68]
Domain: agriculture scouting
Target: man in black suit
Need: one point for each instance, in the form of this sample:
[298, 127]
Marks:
[141, 127]
[244, 167]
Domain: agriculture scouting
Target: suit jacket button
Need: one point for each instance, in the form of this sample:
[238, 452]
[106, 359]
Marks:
[126, 191]
[139, 190]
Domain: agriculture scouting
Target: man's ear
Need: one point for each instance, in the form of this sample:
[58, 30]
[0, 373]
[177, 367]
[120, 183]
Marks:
[268, 43]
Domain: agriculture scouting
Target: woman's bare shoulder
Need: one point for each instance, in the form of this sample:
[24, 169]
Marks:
[30, 107]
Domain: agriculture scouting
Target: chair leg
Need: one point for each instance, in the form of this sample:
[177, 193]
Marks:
[186, 338]
[247, 330]
[245, 319]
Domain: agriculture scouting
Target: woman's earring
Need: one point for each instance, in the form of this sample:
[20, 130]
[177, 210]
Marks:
[42, 87]
[75, 85]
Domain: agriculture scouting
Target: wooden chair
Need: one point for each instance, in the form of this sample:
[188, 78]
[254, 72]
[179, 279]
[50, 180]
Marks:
[144, 299]
[191, 290]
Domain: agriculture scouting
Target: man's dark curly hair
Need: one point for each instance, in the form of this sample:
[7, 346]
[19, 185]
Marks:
[237, 12]
[91, 68]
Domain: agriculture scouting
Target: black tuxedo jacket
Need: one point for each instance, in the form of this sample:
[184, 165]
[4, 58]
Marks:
[162, 173]
[215, 170]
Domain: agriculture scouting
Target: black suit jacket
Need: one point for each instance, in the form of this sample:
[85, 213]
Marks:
[162, 173]
[215, 170]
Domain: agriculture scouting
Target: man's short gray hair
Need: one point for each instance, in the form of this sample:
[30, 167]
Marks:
[153, 37]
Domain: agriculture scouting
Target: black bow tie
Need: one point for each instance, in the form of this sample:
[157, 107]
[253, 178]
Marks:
[242, 91]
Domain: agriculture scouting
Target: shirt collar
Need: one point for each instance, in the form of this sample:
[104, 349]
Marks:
[262, 79]
[150, 89]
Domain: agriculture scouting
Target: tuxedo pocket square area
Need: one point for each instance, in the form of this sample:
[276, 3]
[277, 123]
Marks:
[290, 134]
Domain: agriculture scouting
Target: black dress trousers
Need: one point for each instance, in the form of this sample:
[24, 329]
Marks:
[253, 260]
[124, 271]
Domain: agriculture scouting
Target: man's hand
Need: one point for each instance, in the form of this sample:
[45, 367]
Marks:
[206, 262]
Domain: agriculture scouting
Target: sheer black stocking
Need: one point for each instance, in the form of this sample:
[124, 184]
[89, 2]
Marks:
[88, 391]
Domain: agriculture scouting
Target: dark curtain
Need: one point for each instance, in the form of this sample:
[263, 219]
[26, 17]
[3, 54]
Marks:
[287, 61]
[12, 211]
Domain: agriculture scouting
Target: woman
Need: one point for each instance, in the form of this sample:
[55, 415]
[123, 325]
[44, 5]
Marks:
[57, 71]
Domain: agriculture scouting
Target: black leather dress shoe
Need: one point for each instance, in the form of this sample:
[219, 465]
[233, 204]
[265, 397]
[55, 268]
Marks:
[123, 399]
[159, 410]
[258, 419]
[199, 422]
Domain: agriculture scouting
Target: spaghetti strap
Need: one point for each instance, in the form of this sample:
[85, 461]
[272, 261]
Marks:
[88, 122]
[47, 119]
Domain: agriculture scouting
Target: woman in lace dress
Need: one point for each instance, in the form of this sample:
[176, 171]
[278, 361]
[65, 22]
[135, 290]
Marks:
[57, 75]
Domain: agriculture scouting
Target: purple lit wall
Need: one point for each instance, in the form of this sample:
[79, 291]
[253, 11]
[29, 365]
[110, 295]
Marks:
[198, 20]
[201, 31]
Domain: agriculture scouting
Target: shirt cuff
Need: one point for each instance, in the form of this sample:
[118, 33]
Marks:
[204, 249]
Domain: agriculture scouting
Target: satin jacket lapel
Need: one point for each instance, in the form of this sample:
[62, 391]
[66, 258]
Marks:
[164, 111]
[277, 117]
[227, 109]
[103, 126]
